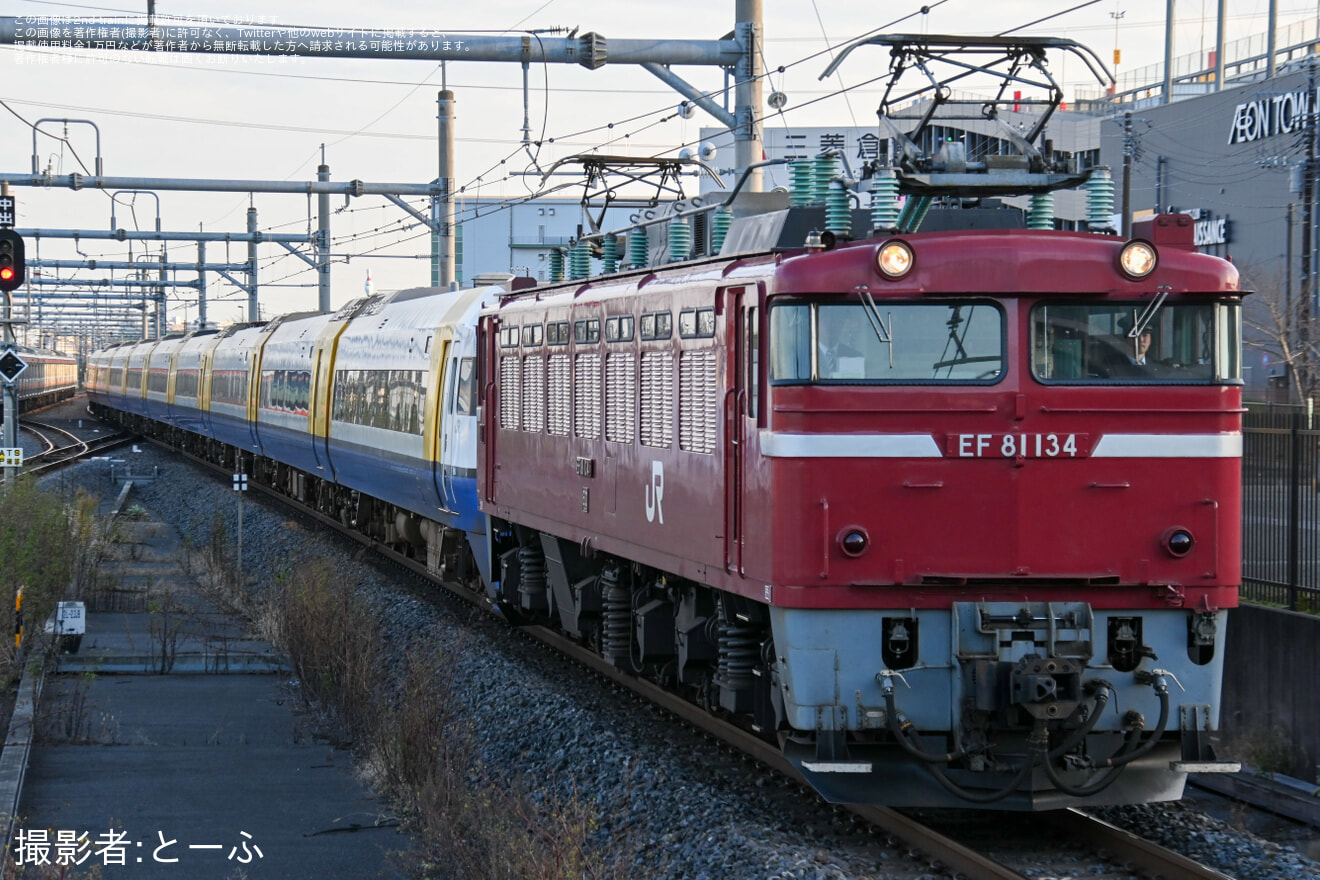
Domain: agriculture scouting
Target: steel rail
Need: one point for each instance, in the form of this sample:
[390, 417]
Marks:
[57, 456]
[1144, 856]
[36, 432]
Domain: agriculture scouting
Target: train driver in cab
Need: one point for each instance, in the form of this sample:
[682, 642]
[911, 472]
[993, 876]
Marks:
[843, 345]
[1140, 348]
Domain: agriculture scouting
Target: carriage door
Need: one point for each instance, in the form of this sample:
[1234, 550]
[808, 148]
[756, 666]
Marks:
[445, 454]
[735, 404]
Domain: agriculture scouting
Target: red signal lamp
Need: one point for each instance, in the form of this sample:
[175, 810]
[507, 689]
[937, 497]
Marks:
[7, 273]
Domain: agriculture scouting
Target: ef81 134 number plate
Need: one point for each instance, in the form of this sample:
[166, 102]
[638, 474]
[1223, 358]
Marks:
[1017, 446]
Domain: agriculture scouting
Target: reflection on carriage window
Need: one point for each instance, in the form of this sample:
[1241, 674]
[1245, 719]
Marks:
[388, 399]
[1135, 342]
[851, 341]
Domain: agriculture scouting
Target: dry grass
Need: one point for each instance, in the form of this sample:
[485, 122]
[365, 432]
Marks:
[470, 821]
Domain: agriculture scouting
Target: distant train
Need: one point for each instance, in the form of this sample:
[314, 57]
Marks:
[49, 378]
[954, 515]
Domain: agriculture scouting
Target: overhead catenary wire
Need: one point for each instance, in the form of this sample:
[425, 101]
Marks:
[401, 227]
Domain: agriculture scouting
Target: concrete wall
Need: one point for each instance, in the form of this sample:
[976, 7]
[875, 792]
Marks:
[1271, 708]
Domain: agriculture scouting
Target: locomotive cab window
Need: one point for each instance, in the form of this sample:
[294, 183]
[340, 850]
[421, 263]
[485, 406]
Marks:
[848, 341]
[1142, 341]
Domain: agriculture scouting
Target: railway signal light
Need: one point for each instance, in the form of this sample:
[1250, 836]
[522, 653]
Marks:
[13, 267]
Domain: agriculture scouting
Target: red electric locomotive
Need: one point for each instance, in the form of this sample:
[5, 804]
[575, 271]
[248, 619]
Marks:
[935, 499]
[953, 514]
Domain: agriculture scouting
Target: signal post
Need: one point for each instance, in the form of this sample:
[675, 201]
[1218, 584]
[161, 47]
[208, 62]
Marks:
[12, 272]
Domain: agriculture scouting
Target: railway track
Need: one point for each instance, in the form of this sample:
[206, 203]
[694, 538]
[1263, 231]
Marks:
[62, 447]
[1134, 854]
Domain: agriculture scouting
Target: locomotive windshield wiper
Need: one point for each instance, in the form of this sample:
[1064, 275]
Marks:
[1147, 315]
[877, 323]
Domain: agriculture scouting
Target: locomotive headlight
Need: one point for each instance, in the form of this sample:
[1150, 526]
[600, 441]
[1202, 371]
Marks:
[853, 541]
[894, 259]
[1137, 259]
[1179, 542]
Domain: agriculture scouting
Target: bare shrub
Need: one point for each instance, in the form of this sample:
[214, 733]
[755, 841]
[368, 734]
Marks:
[332, 640]
[169, 621]
[471, 821]
[70, 718]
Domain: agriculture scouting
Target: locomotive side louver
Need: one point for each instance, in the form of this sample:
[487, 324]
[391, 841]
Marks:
[533, 383]
[697, 401]
[657, 399]
[510, 392]
[586, 394]
[620, 396]
[558, 395]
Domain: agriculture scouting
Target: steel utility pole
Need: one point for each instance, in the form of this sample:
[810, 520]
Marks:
[323, 238]
[747, 92]
[1128, 150]
[444, 274]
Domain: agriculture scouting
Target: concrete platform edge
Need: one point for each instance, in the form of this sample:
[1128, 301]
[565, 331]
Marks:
[18, 747]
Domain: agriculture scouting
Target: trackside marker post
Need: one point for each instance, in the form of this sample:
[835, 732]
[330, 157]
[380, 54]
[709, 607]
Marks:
[240, 486]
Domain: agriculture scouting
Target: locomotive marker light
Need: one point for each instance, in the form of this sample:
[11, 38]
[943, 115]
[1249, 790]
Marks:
[1137, 259]
[1179, 542]
[853, 541]
[894, 259]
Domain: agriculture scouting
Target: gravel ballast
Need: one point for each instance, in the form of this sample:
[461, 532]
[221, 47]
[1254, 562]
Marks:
[678, 804]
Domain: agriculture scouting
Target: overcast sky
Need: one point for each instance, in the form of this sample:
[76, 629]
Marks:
[252, 118]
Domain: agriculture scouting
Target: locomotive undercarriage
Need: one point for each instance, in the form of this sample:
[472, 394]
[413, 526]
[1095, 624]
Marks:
[1043, 705]
[715, 648]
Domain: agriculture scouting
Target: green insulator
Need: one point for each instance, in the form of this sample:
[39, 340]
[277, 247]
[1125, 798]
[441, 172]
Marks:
[579, 262]
[680, 240]
[557, 264]
[1042, 211]
[609, 255]
[884, 199]
[719, 227]
[827, 168]
[1100, 199]
[804, 181]
[838, 216]
[637, 248]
